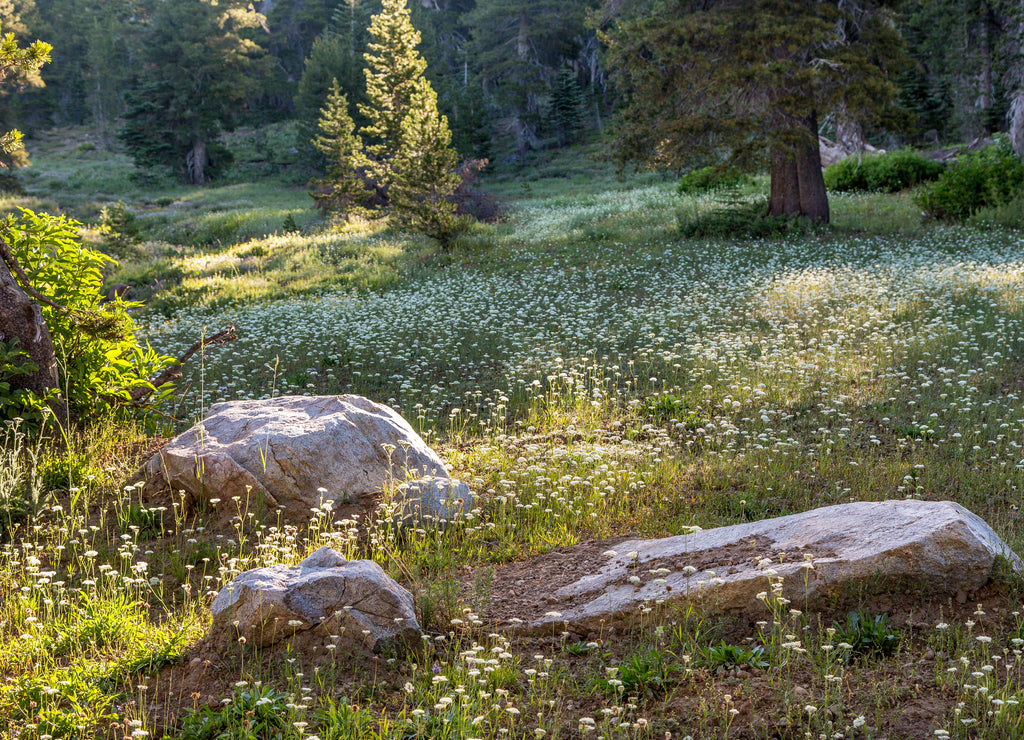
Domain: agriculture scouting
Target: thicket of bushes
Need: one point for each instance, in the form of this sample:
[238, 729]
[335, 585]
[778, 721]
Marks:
[881, 173]
[989, 179]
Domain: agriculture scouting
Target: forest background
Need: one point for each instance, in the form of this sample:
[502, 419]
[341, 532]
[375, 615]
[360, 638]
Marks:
[511, 76]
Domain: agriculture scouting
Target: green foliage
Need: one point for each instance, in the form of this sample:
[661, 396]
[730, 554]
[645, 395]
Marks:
[565, 113]
[518, 46]
[100, 624]
[254, 713]
[747, 219]
[20, 483]
[1008, 215]
[197, 67]
[714, 82]
[864, 636]
[342, 721]
[882, 173]
[408, 140]
[394, 77]
[989, 177]
[99, 359]
[709, 179]
[724, 656]
[343, 189]
[119, 228]
[422, 173]
[62, 703]
[644, 674]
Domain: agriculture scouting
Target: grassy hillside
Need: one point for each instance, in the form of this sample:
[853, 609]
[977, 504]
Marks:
[593, 374]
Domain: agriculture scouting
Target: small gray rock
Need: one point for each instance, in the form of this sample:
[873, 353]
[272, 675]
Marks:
[350, 603]
[432, 498]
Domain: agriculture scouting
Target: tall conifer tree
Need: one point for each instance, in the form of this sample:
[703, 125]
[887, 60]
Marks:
[741, 83]
[394, 71]
[408, 140]
[198, 66]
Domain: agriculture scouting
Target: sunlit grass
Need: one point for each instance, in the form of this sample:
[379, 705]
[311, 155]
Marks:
[590, 374]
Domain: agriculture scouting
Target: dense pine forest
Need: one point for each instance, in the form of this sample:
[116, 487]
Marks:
[510, 76]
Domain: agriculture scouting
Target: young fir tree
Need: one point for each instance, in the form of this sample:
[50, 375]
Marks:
[423, 177]
[566, 103]
[409, 142]
[343, 189]
[394, 70]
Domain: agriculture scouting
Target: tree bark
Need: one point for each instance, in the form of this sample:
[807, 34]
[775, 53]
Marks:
[797, 185]
[849, 132]
[21, 319]
[195, 162]
[1016, 76]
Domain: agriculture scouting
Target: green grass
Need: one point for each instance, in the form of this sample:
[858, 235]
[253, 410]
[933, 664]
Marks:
[591, 373]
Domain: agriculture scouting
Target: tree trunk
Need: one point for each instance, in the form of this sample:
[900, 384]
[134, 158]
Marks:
[985, 85]
[195, 162]
[849, 132]
[1016, 76]
[797, 185]
[21, 319]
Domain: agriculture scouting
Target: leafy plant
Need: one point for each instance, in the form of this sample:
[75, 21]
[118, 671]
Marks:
[342, 721]
[724, 656]
[988, 177]
[882, 173]
[254, 713]
[100, 361]
[863, 635]
[119, 228]
[646, 673]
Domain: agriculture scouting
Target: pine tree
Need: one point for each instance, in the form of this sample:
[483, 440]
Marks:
[740, 84]
[566, 103]
[517, 47]
[394, 71]
[343, 189]
[197, 67]
[423, 177]
[409, 141]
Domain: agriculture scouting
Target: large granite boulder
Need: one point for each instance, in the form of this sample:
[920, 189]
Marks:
[820, 556]
[326, 597]
[295, 452]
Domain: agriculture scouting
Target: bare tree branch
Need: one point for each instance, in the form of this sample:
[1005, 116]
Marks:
[173, 372]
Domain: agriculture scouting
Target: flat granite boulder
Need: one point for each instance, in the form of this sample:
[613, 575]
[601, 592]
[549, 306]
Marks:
[931, 548]
[292, 451]
[337, 601]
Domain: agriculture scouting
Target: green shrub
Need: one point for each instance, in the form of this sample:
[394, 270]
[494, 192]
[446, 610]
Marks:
[119, 228]
[989, 177]
[882, 173]
[709, 179]
[1009, 215]
[100, 363]
[747, 220]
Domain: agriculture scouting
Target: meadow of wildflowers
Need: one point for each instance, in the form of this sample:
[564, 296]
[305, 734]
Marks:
[591, 375]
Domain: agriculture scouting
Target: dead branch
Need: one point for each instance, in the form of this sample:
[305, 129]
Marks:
[173, 371]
